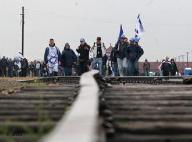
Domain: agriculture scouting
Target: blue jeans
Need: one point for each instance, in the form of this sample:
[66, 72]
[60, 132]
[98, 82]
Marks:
[122, 66]
[97, 64]
[38, 72]
[115, 69]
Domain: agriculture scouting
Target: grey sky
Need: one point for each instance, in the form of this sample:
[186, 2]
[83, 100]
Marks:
[168, 24]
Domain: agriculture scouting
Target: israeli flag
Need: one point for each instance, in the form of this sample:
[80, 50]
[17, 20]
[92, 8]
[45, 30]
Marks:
[139, 29]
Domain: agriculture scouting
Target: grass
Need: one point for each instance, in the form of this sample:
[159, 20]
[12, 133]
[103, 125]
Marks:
[9, 132]
[23, 130]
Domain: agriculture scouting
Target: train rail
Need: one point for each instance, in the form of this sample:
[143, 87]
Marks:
[144, 110]
[27, 115]
[95, 109]
[145, 80]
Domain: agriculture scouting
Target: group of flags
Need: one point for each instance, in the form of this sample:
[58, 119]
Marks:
[139, 29]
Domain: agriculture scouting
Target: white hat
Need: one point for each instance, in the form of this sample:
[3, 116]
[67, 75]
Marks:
[82, 40]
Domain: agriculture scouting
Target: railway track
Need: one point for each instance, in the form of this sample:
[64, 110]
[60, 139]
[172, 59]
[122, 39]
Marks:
[27, 115]
[132, 109]
[137, 110]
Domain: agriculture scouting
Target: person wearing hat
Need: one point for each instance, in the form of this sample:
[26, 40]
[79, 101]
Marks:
[121, 52]
[134, 53]
[83, 59]
[68, 59]
[98, 51]
[52, 58]
[136, 39]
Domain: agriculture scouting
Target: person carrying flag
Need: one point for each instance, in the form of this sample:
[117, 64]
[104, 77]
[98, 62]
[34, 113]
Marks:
[134, 53]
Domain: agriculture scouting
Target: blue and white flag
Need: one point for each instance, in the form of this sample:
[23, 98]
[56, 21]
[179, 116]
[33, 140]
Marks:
[139, 29]
[121, 33]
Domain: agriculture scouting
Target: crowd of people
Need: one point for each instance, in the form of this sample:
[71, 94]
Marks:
[122, 61]
[20, 67]
[168, 68]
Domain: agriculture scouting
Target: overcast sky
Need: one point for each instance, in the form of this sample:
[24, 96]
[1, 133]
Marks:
[168, 24]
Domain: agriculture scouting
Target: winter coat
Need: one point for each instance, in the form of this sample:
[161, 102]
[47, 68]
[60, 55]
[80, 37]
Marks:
[24, 64]
[121, 50]
[134, 52]
[68, 57]
[113, 56]
[3, 62]
[173, 69]
[166, 67]
[83, 51]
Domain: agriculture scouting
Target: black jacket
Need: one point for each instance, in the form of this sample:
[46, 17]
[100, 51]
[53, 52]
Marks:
[166, 67]
[174, 69]
[113, 56]
[3, 62]
[121, 50]
[68, 57]
[83, 51]
[24, 64]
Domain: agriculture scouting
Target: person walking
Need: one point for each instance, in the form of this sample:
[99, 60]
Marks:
[83, 59]
[52, 58]
[68, 59]
[104, 65]
[114, 65]
[174, 68]
[10, 68]
[24, 67]
[146, 67]
[166, 67]
[134, 53]
[98, 50]
[121, 49]
[4, 66]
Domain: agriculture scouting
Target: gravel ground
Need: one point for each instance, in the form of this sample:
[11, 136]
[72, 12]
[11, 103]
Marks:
[10, 85]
